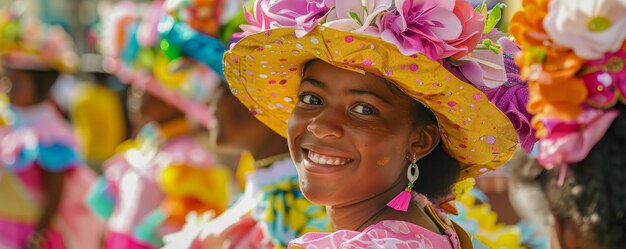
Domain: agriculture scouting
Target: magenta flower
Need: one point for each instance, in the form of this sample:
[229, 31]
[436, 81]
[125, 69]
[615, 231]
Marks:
[608, 85]
[421, 27]
[304, 15]
[437, 29]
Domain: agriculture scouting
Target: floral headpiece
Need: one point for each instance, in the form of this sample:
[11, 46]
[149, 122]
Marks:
[161, 53]
[27, 43]
[573, 57]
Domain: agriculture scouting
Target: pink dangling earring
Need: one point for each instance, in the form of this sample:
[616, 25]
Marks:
[403, 199]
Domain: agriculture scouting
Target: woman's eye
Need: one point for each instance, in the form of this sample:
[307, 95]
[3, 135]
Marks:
[363, 109]
[310, 99]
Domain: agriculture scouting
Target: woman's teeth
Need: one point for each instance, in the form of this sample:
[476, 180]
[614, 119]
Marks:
[326, 160]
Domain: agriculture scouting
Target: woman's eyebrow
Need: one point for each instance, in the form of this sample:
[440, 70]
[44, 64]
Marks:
[366, 92]
[315, 83]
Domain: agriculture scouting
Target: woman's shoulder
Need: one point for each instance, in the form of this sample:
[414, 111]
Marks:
[384, 234]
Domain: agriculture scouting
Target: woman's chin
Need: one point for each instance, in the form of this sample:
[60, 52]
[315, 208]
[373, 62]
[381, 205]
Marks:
[321, 194]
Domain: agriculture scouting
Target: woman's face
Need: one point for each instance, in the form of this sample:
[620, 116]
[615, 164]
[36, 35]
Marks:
[145, 108]
[350, 135]
[233, 128]
[20, 87]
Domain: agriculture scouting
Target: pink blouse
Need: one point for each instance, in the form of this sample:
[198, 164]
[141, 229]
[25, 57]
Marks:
[392, 234]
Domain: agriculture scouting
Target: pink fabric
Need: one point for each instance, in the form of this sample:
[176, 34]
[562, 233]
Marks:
[15, 235]
[185, 150]
[138, 193]
[246, 234]
[388, 234]
[76, 214]
[123, 241]
[48, 125]
[571, 142]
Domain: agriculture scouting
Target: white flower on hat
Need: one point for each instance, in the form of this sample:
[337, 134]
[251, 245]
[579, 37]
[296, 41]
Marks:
[590, 27]
[356, 16]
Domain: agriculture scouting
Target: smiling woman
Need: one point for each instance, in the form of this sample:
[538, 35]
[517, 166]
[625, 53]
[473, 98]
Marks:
[378, 114]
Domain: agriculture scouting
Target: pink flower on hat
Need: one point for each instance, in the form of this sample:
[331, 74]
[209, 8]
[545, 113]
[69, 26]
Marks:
[472, 24]
[304, 15]
[437, 29]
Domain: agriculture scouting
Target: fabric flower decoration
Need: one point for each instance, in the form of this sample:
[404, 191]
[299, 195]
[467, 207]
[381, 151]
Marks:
[432, 28]
[527, 25]
[570, 142]
[606, 83]
[304, 15]
[599, 25]
[512, 101]
[472, 24]
[420, 27]
[356, 16]
[554, 89]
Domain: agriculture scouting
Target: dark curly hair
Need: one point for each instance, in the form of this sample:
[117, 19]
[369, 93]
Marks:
[593, 195]
[438, 169]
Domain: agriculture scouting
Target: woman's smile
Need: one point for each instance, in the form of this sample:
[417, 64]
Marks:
[322, 159]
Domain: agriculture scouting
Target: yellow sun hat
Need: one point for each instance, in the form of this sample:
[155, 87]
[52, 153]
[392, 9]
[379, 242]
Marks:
[264, 70]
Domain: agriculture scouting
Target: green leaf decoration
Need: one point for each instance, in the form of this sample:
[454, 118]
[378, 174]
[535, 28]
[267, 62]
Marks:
[494, 17]
[355, 17]
[480, 8]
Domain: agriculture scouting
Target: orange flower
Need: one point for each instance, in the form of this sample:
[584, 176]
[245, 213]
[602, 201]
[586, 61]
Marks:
[204, 16]
[554, 89]
[527, 25]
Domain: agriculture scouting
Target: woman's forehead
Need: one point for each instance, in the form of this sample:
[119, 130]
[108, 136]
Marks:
[325, 75]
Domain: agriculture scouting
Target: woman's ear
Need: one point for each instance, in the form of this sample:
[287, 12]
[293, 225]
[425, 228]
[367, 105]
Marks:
[424, 139]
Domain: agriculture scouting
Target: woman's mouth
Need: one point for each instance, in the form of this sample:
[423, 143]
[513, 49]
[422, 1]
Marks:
[322, 159]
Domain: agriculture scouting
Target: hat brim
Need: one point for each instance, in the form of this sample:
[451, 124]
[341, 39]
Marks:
[146, 81]
[264, 71]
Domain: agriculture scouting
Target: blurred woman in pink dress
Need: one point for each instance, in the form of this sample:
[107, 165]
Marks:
[43, 183]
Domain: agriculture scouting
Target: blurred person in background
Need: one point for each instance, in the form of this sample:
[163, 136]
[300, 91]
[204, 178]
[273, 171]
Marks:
[97, 113]
[573, 55]
[43, 183]
[272, 210]
[155, 179]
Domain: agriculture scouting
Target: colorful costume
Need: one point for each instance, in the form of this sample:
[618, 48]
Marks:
[36, 140]
[156, 179]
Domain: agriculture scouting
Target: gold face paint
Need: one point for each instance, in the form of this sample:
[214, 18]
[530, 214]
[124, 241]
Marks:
[383, 162]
